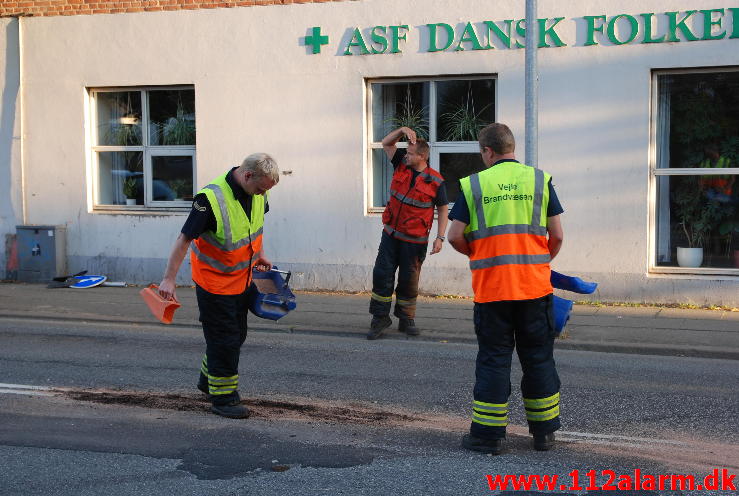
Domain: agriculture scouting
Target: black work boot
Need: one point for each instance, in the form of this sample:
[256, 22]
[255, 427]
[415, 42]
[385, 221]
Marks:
[490, 446]
[408, 326]
[544, 442]
[230, 410]
[378, 326]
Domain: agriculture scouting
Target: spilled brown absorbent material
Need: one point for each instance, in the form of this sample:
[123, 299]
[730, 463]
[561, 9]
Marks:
[260, 408]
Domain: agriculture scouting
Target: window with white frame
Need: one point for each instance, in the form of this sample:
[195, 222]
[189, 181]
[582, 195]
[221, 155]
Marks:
[448, 112]
[696, 174]
[143, 147]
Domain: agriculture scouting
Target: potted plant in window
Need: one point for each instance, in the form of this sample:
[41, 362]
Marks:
[124, 130]
[182, 189]
[129, 190]
[177, 130]
[462, 123]
[409, 115]
[696, 217]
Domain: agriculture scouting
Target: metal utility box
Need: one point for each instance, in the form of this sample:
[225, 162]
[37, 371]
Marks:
[42, 252]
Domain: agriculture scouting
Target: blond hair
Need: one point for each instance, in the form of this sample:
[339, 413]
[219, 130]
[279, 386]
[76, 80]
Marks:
[261, 164]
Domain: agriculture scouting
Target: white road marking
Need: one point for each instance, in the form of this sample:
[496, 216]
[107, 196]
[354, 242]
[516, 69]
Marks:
[603, 438]
[26, 390]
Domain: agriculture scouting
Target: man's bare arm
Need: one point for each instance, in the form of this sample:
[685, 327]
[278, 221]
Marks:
[456, 237]
[556, 235]
[442, 220]
[179, 250]
[392, 138]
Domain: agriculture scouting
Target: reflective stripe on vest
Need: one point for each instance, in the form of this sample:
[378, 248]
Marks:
[411, 201]
[404, 237]
[222, 260]
[507, 234]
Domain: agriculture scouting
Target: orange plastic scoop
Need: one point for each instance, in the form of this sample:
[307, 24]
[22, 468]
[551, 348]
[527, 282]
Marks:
[161, 309]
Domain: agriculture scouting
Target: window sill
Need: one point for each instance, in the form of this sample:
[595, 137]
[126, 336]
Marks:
[139, 210]
[694, 273]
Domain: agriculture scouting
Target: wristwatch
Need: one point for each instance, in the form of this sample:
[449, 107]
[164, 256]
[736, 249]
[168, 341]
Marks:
[440, 237]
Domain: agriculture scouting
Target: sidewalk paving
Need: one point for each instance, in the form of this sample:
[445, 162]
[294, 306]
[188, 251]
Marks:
[641, 330]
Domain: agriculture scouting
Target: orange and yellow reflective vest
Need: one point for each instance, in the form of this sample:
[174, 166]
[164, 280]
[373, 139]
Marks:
[222, 260]
[507, 233]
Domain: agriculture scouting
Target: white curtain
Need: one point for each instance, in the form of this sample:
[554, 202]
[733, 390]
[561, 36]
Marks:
[663, 162]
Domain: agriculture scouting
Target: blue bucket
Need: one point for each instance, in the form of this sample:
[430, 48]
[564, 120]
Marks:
[269, 295]
[562, 309]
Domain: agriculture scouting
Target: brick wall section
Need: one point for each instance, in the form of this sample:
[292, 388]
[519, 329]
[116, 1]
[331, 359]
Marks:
[16, 8]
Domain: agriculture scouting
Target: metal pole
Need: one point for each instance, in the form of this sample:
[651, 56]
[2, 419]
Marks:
[532, 86]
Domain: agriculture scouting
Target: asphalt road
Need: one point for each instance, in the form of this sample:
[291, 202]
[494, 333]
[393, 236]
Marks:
[331, 415]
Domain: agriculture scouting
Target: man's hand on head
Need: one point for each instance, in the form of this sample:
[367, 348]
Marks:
[410, 134]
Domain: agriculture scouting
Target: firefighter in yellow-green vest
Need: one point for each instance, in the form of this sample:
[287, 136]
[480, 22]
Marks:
[506, 220]
[225, 230]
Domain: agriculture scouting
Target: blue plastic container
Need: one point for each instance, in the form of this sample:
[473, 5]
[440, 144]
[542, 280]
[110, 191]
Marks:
[572, 283]
[562, 309]
[270, 297]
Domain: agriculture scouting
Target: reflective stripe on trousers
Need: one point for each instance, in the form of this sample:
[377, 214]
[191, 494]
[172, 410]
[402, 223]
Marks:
[527, 327]
[405, 258]
[224, 327]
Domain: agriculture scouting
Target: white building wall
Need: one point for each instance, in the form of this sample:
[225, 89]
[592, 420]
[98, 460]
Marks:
[11, 203]
[258, 89]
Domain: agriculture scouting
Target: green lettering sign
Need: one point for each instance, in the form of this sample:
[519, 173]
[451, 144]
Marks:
[620, 29]
[549, 31]
[634, 26]
[674, 25]
[356, 41]
[648, 30]
[734, 23]
[469, 36]
[592, 28]
[521, 30]
[395, 30]
[709, 23]
[504, 37]
[378, 38]
[544, 31]
[433, 47]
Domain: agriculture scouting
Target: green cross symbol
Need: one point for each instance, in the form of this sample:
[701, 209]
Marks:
[316, 40]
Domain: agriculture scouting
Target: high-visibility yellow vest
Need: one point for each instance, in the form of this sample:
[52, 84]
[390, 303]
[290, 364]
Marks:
[222, 261]
[507, 233]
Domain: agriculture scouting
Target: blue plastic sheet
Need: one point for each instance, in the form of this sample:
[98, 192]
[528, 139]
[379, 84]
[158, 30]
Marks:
[571, 283]
[563, 306]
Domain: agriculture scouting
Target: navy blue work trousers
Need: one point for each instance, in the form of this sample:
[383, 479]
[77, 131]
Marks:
[223, 318]
[405, 258]
[527, 326]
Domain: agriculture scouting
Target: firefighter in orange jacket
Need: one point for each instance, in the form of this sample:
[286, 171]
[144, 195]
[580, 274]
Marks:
[225, 229]
[507, 221]
[415, 190]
